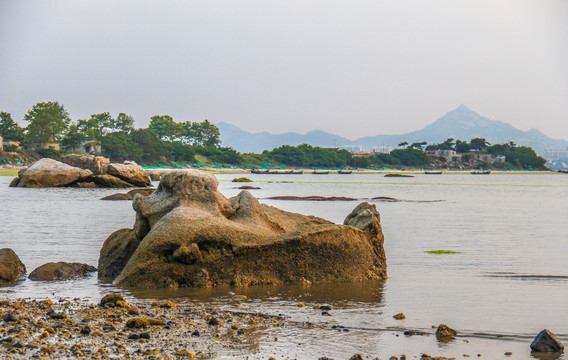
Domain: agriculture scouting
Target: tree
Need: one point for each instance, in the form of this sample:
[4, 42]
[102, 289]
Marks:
[404, 143]
[9, 129]
[448, 144]
[165, 127]
[478, 144]
[119, 146]
[200, 133]
[418, 145]
[209, 134]
[97, 126]
[462, 146]
[73, 138]
[48, 122]
[123, 123]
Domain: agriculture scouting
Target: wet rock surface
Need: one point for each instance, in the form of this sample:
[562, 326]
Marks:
[96, 164]
[47, 172]
[129, 172]
[190, 235]
[54, 271]
[546, 341]
[11, 267]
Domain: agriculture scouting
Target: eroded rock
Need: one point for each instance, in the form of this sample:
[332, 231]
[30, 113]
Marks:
[130, 172]
[11, 267]
[96, 164]
[47, 172]
[187, 234]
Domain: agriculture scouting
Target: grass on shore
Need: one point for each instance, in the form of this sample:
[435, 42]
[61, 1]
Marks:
[8, 172]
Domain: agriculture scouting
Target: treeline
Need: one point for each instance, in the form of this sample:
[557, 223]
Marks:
[165, 141]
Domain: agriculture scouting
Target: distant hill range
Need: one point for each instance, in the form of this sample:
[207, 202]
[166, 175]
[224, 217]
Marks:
[460, 124]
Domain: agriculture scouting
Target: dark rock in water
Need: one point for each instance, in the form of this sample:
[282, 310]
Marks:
[398, 175]
[187, 234]
[445, 333]
[399, 316]
[116, 253]
[111, 299]
[325, 308]
[130, 172]
[129, 195]
[109, 181]
[248, 187]
[241, 179]
[312, 198]
[11, 268]
[61, 271]
[145, 335]
[546, 341]
[14, 182]
[415, 332]
[118, 196]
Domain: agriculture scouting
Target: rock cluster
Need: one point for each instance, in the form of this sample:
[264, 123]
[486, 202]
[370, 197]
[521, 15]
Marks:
[60, 271]
[187, 234]
[81, 171]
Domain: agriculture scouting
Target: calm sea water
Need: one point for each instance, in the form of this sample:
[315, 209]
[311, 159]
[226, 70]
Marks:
[509, 281]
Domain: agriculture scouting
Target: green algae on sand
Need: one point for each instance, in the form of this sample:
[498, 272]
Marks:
[441, 252]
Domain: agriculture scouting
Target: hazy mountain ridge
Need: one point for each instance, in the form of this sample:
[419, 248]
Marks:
[461, 123]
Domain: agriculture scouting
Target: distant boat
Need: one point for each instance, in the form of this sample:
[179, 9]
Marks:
[485, 172]
[433, 172]
[259, 171]
[320, 172]
[398, 175]
[347, 172]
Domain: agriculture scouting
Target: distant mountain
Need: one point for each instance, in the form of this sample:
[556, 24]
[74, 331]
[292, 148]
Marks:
[244, 141]
[461, 123]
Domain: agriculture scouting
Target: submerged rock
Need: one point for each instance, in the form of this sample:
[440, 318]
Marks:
[546, 341]
[47, 172]
[11, 267]
[60, 271]
[445, 333]
[187, 234]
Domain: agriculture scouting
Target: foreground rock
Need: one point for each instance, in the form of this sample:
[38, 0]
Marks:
[96, 164]
[11, 267]
[130, 172]
[61, 271]
[50, 173]
[546, 341]
[187, 234]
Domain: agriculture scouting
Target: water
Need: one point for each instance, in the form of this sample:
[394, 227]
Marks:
[509, 282]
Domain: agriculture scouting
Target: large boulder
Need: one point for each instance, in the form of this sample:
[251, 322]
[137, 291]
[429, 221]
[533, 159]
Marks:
[60, 271]
[97, 164]
[47, 172]
[546, 341]
[109, 181]
[187, 234]
[11, 267]
[130, 172]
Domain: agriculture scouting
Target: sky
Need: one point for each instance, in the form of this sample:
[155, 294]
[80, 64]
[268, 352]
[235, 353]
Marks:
[352, 68]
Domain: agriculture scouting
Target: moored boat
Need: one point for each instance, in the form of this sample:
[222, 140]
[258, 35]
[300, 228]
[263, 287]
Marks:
[432, 172]
[346, 172]
[484, 172]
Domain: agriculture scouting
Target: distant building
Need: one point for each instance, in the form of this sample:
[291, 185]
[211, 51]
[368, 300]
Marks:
[354, 148]
[490, 158]
[37, 146]
[556, 155]
[446, 155]
[382, 149]
[90, 146]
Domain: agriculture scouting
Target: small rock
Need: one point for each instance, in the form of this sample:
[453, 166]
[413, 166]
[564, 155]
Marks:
[215, 322]
[11, 317]
[145, 335]
[133, 310]
[399, 316]
[508, 353]
[356, 357]
[168, 305]
[133, 337]
[137, 323]
[325, 308]
[300, 304]
[86, 330]
[546, 341]
[111, 299]
[445, 333]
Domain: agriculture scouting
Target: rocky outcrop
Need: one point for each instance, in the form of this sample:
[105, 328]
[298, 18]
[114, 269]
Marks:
[546, 341]
[96, 164]
[129, 195]
[86, 172]
[47, 172]
[11, 267]
[187, 234]
[60, 271]
[129, 172]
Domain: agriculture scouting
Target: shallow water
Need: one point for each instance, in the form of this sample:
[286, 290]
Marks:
[509, 282]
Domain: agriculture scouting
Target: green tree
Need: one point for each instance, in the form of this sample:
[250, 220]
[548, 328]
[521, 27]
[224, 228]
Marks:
[119, 146]
[417, 145]
[73, 137]
[48, 122]
[123, 123]
[165, 127]
[478, 144]
[9, 129]
[154, 150]
[462, 146]
[411, 157]
[402, 144]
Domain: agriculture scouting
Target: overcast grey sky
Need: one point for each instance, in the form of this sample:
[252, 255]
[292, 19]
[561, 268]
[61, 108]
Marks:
[353, 68]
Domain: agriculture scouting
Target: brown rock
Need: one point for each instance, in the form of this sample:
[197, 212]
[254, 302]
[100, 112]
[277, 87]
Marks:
[60, 271]
[546, 341]
[119, 196]
[130, 172]
[47, 172]
[10, 266]
[111, 299]
[96, 164]
[109, 181]
[115, 253]
[192, 236]
[445, 333]
[14, 182]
